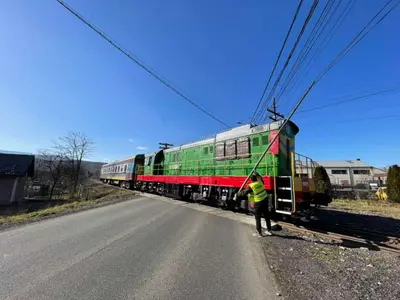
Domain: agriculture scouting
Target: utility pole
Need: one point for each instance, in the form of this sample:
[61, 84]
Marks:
[274, 115]
[165, 145]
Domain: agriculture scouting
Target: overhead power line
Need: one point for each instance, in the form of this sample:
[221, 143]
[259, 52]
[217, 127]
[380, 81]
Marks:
[262, 112]
[317, 32]
[277, 59]
[358, 38]
[348, 100]
[148, 69]
[364, 31]
[294, 85]
[297, 106]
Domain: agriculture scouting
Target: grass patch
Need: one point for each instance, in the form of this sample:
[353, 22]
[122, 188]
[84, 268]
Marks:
[97, 194]
[374, 207]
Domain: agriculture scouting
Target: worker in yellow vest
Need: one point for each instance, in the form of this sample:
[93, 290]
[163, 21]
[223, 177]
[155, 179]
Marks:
[257, 194]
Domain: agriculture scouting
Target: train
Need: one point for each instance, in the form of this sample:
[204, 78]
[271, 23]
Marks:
[212, 170]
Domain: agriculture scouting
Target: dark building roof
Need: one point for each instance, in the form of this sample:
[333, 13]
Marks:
[17, 164]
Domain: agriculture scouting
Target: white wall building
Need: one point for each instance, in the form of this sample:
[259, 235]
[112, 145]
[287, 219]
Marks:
[352, 172]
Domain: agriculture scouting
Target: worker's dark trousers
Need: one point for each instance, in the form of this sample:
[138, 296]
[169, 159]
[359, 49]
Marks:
[261, 209]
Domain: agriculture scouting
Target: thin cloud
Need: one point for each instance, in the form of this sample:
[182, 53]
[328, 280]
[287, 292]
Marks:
[141, 148]
[130, 140]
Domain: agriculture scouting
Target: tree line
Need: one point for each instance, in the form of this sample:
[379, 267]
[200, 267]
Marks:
[61, 166]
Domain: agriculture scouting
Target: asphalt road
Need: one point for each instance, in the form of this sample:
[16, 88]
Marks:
[140, 249]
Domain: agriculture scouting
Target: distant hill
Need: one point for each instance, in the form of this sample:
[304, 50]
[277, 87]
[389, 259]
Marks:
[89, 167]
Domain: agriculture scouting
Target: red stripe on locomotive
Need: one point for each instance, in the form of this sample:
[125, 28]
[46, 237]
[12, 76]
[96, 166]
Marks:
[223, 181]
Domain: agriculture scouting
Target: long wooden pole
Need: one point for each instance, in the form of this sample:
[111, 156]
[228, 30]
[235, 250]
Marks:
[279, 131]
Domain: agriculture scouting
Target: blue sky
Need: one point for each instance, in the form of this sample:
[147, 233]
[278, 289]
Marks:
[57, 76]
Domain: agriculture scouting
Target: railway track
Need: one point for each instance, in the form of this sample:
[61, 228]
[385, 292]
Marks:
[350, 237]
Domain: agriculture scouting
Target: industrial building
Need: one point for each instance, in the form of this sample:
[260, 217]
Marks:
[353, 172]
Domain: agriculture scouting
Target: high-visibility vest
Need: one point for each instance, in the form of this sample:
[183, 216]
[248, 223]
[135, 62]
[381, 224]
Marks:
[259, 193]
[250, 197]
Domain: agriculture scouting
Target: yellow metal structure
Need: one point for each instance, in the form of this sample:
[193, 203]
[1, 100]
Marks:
[381, 194]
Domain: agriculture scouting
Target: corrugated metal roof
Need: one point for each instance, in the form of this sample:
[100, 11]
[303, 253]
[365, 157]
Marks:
[16, 164]
[355, 163]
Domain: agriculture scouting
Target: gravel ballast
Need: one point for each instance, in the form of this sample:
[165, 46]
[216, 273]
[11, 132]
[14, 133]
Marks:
[307, 267]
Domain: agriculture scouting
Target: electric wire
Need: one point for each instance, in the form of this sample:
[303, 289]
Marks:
[278, 58]
[145, 67]
[269, 97]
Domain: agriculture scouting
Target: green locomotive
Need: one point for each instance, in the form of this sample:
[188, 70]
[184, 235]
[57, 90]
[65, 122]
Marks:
[212, 170]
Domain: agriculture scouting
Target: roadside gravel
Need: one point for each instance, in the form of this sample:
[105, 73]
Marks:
[307, 267]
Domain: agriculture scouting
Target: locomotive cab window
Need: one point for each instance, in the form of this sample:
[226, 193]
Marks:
[256, 142]
[205, 150]
[149, 160]
[264, 140]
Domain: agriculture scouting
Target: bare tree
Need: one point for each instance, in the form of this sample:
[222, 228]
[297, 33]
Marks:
[74, 147]
[54, 165]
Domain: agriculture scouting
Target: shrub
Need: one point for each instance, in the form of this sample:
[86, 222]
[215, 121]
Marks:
[322, 181]
[393, 183]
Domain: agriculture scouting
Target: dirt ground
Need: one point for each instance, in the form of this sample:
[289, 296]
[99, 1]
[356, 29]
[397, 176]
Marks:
[368, 207]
